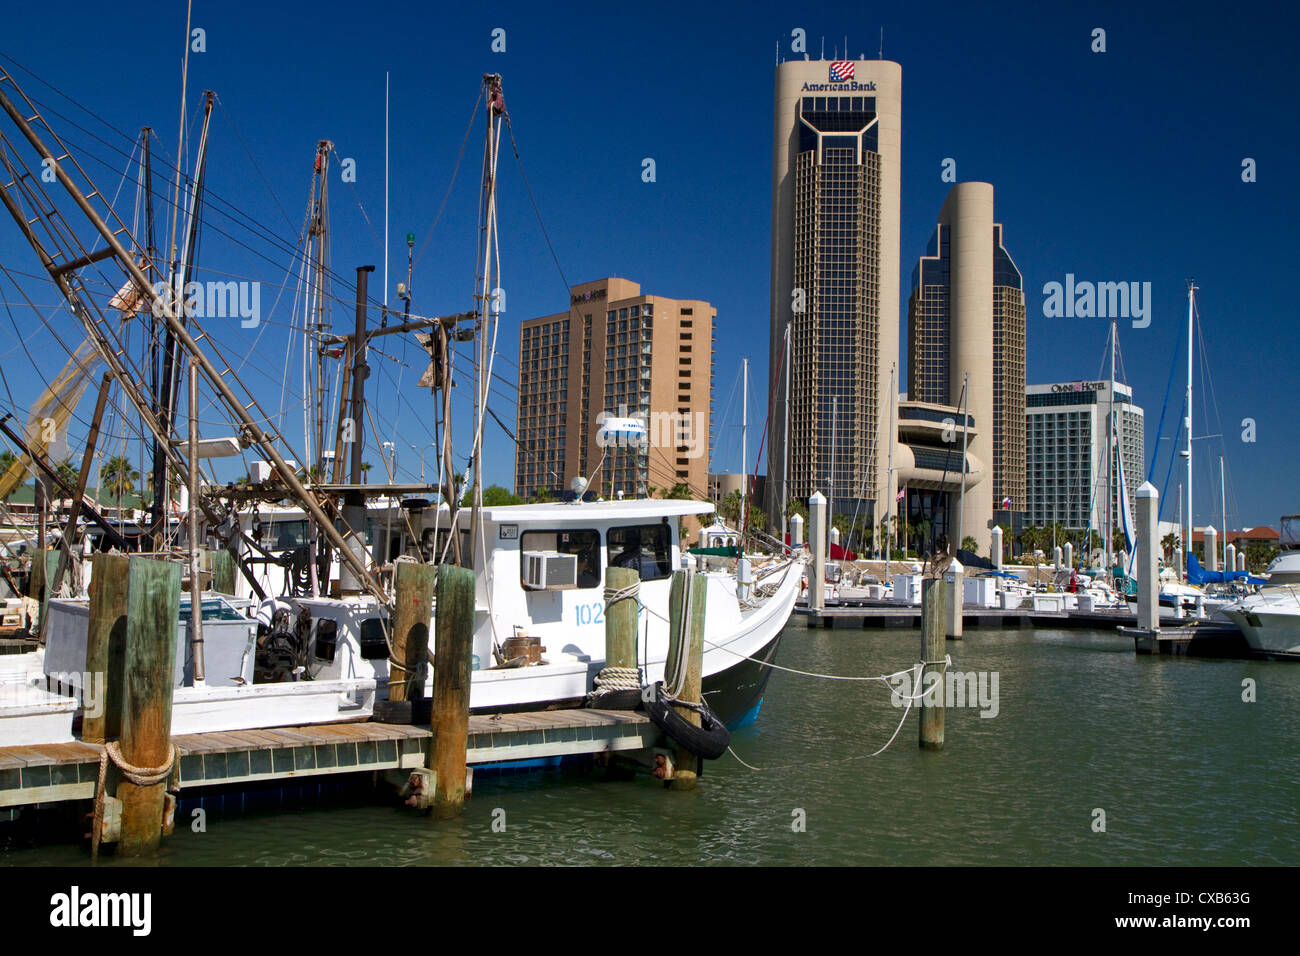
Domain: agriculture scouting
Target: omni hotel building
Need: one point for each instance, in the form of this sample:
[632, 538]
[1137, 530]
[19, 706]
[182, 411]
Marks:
[620, 353]
[1067, 426]
[835, 266]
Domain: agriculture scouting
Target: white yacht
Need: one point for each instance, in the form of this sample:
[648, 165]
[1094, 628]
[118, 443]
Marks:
[1270, 618]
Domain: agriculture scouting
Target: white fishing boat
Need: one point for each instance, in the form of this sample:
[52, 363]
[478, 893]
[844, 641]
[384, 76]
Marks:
[1270, 618]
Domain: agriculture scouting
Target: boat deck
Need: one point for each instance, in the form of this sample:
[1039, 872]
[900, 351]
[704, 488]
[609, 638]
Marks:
[58, 772]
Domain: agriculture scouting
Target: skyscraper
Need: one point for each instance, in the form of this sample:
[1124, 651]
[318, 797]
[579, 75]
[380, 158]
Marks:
[1068, 469]
[835, 258]
[615, 353]
[966, 317]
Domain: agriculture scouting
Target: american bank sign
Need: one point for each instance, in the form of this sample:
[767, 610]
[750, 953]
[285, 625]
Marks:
[850, 87]
[841, 80]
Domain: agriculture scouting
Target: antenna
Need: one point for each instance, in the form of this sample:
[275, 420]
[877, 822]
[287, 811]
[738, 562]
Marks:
[823, 56]
[882, 43]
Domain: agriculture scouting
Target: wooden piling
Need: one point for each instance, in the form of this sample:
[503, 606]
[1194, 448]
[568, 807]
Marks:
[153, 608]
[621, 619]
[933, 614]
[223, 571]
[687, 602]
[413, 585]
[449, 724]
[106, 646]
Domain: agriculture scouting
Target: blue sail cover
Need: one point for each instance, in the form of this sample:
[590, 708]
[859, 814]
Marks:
[1198, 575]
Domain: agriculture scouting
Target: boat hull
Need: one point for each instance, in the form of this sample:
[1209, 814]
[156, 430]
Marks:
[1270, 632]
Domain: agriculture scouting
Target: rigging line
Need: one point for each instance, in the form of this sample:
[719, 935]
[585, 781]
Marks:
[237, 217]
[473, 115]
[247, 152]
[529, 189]
[356, 196]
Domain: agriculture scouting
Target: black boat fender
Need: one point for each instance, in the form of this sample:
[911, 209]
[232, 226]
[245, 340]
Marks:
[709, 741]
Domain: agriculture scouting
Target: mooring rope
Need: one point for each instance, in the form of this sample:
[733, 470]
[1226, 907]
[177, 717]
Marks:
[139, 776]
[825, 763]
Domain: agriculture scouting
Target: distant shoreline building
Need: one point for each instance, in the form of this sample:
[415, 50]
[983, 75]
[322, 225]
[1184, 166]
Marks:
[836, 184]
[966, 317]
[1067, 425]
[615, 353]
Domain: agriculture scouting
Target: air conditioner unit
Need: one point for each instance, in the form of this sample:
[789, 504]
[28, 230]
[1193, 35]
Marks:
[550, 571]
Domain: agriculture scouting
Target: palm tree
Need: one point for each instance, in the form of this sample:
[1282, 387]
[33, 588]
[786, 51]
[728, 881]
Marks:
[968, 543]
[120, 478]
[68, 472]
[1168, 543]
[542, 496]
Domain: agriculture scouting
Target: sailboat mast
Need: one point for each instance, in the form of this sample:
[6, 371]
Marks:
[785, 459]
[744, 446]
[1191, 519]
[889, 480]
[961, 498]
[1111, 450]
[1223, 510]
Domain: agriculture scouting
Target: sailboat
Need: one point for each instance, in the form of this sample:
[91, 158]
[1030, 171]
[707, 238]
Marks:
[324, 638]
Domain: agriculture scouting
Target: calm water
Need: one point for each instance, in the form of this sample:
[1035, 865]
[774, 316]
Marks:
[1186, 772]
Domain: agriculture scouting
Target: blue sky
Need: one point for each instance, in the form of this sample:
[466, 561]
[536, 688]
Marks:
[1123, 165]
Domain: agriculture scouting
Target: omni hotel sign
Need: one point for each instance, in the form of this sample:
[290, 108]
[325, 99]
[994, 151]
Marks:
[1081, 387]
[587, 296]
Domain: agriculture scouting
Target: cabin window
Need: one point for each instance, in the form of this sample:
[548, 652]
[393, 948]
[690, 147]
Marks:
[646, 548]
[585, 544]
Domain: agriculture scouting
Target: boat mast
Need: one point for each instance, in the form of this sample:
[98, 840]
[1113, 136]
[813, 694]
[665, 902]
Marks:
[487, 302]
[1111, 450]
[961, 498]
[1223, 509]
[1191, 519]
[785, 458]
[889, 480]
[744, 447]
[830, 499]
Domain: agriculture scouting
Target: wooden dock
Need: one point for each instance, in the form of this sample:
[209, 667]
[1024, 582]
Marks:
[60, 772]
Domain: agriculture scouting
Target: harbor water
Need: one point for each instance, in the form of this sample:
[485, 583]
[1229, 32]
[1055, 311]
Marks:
[1088, 755]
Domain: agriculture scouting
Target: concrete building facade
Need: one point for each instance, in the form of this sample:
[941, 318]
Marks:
[615, 353]
[835, 291]
[966, 330]
[1067, 425]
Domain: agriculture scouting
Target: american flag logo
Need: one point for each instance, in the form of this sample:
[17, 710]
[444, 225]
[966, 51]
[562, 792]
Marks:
[841, 71]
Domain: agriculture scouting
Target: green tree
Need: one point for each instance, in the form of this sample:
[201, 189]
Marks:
[119, 478]
[542, 496]
[796, 507]
[968, 543]
[68, 472]
[1167, 545]
[494, 495]
[730, 508]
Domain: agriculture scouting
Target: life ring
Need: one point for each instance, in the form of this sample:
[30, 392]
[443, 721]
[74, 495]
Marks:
[709, 741]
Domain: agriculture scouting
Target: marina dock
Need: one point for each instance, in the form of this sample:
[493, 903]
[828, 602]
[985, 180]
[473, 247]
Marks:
[53, 773]
[883, 614]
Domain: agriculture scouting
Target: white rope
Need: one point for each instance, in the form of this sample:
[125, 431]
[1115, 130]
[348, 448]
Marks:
[618, 678]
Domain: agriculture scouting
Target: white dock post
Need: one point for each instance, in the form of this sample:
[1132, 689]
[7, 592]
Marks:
[1230, 558]
[1241, 560]
[817, 542]
[1148, 575]
[954, 580]
[835, 538]
[997, 548]
[1068, 552]
[1056, 557]
[1211, 548]
[796, 531]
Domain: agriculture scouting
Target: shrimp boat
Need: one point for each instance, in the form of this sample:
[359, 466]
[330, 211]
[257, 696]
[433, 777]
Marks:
[305, 639]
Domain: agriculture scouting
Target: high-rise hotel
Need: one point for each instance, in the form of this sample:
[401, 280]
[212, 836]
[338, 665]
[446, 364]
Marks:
[615, 353]
[835, 263]
[966, 327]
